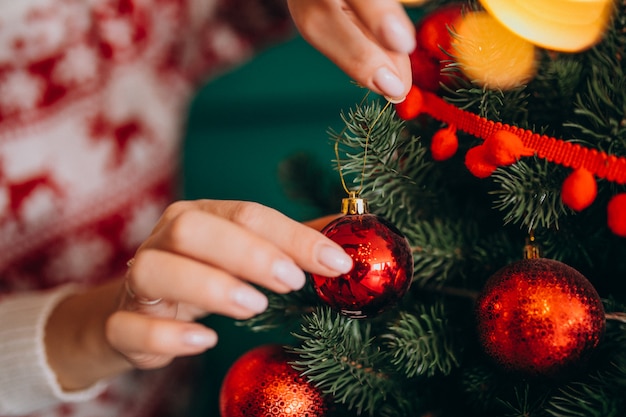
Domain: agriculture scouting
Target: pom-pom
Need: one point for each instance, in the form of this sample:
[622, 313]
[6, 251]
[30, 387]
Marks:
[477, 163]
[444, 143]
[579, 190]
[505, 148]
[411, 107]
[616, 214]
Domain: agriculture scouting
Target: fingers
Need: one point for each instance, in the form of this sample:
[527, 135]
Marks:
[148, 342]
[252, 242]
[307, 247]
[388, 23]
[172, 277]
[205, 257]
[369, 40]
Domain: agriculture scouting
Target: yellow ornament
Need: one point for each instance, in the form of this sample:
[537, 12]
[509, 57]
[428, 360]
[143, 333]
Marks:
[490, 54]
[562, 25]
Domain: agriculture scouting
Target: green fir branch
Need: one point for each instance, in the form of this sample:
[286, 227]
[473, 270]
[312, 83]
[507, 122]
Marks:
[338, 355]
[422, 344]
[500, 106]
[601, 112]
[437, 248]
[380, 161]
[553, 90]
[600, 108]
[584, 400]
[522, 404]
[284, 311]
[529, 194]
[480, 386]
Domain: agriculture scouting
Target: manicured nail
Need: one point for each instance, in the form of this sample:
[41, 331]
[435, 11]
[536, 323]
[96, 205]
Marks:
[288, 273]
[200, 339]
[335, 259]
[251, 299]
[395, 100]
[397, 35]
[388, 82]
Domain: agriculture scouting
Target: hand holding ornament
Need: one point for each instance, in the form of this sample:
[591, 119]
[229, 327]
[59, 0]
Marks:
[202, 257]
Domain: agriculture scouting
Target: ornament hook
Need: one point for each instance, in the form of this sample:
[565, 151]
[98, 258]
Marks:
[352, 193]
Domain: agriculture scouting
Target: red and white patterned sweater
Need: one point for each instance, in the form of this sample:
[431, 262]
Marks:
[93, 100]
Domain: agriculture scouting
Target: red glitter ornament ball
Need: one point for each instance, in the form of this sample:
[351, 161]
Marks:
[261, 383]
[539, 317]
[382, 264]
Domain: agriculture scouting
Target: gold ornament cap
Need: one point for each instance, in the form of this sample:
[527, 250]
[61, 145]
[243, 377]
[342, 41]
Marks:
[532, 250]
[354, 204]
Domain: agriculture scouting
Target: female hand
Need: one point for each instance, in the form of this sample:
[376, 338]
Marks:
[203, 257]
[369, 40]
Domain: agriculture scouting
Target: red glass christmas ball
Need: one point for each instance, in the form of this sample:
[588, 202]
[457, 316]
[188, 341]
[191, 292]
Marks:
[382, 266]
[539, 317]
[261, 383]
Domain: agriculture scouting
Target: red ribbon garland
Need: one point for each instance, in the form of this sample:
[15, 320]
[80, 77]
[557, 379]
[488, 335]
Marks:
[580, 190]
[568, 154]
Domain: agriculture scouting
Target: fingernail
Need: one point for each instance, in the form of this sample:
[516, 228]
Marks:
[397, 35]
[288, 273]
[395, 100]
[199, 339]
[250, 298]
[335, 259]
[388, 82]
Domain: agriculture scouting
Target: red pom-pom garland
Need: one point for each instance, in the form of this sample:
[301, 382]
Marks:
[579, 190]
[505, 148]
[412, 105]
[444, 143]
[616, 214]
[505, 144]
[477, 162]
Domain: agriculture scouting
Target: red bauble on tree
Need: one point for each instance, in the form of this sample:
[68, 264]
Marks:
[262, 383]
[383, 263]
[539, 317]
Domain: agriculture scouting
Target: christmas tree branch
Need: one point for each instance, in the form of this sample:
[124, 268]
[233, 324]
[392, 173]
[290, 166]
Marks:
[385, 165]
[337, 354]
[421, 344]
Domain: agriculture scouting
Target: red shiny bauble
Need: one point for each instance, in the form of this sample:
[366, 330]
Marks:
[539, 317]
[261, 383]
[382, 270]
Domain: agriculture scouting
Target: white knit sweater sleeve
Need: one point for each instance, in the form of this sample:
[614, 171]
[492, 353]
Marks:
[27, 383]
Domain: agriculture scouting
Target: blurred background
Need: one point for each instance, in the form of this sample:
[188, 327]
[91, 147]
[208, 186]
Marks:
[242, 127]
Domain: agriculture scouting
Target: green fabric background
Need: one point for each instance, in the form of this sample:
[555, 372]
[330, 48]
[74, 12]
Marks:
[241, 127]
